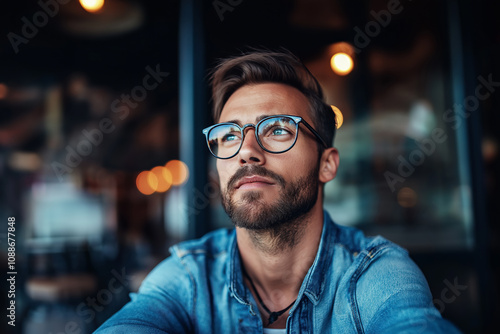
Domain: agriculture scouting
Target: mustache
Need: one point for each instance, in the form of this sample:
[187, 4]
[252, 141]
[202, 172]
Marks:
[254, 170]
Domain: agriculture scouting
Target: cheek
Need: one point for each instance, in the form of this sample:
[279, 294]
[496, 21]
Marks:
[309, 156]
[300, 160]
[304, 168]
[224, 172]
[291, 166]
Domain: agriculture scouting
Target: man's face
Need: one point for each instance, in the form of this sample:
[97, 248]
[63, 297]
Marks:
[261, 190]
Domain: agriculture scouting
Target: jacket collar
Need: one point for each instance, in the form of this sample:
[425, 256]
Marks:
[313, 282]
[316, 277]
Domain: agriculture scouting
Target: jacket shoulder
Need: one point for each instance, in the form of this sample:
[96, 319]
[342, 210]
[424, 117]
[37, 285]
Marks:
[211, 244]
[356, 242]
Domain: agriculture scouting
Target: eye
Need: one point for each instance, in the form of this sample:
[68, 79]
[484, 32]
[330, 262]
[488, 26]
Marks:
[277, 129]
[280, 131]
[229, 137]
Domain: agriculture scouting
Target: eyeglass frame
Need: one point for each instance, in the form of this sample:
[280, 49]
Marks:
[296, 119]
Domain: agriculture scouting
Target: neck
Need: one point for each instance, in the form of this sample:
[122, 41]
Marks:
[278, 267]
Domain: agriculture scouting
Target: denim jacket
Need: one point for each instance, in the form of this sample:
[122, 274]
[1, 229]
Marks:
[356, 284]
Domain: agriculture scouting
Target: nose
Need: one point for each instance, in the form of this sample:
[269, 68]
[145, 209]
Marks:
[250, 151]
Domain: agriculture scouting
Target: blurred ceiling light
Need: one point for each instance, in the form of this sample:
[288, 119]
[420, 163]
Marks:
[179, 170]
[146, 182]
[116, 17]
[338, 116]
[407, 197]
[92, 6]
[342, 59]
[164, 178]
[3, 91]
[341, 63]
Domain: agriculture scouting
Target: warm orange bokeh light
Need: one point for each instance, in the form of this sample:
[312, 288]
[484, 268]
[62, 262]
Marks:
[407, 197]
[179, 170]
[92, 6]
[3, 90]
[338, 116]
[146, 182]
[164, 177]
[341, 63]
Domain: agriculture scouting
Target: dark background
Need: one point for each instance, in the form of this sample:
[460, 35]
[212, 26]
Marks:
[76, 49]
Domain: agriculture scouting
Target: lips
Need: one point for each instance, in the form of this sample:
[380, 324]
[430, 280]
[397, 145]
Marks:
[258, 175]
[249, 180]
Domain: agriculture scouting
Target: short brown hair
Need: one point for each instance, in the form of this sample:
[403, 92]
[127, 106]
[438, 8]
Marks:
[261, 66]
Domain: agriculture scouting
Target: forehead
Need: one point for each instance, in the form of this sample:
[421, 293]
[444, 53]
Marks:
[251, 102]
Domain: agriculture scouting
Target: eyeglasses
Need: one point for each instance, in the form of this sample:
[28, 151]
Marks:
[275, 134]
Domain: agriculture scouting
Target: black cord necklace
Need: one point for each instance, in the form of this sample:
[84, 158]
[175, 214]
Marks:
[273, 316]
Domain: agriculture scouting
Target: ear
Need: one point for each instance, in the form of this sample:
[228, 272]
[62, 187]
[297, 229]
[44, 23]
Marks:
[328, 164]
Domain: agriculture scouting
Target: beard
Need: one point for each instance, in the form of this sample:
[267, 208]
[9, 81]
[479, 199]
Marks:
[282, 221]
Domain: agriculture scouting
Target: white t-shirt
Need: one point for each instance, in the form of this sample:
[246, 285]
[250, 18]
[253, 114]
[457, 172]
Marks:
[274, 331]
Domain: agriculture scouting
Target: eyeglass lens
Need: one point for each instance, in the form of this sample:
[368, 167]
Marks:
[276, 134]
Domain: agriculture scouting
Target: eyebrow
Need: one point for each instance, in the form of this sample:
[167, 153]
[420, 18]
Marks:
[257, 119]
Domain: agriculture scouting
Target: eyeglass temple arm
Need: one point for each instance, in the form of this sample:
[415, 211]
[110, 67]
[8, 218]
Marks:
[315, 133]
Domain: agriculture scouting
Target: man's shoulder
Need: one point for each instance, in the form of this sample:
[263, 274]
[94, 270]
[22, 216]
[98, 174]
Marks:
[212, 244]
[185, 257]
[356, 242]
[382, 288]
[379, 267]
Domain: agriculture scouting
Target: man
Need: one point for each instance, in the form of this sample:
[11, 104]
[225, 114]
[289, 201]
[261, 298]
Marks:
[286, 267]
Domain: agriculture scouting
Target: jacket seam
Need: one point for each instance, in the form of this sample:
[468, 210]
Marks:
[182, 253]
[194, 290]
[369, 255]
[382, 305]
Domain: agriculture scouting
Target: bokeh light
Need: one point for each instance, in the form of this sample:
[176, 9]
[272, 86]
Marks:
[179, 170]
[407, 197]
[3, 90]
[92, 6]
[341, 63]
[164, 177]
[147, 182]
[338, 116]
